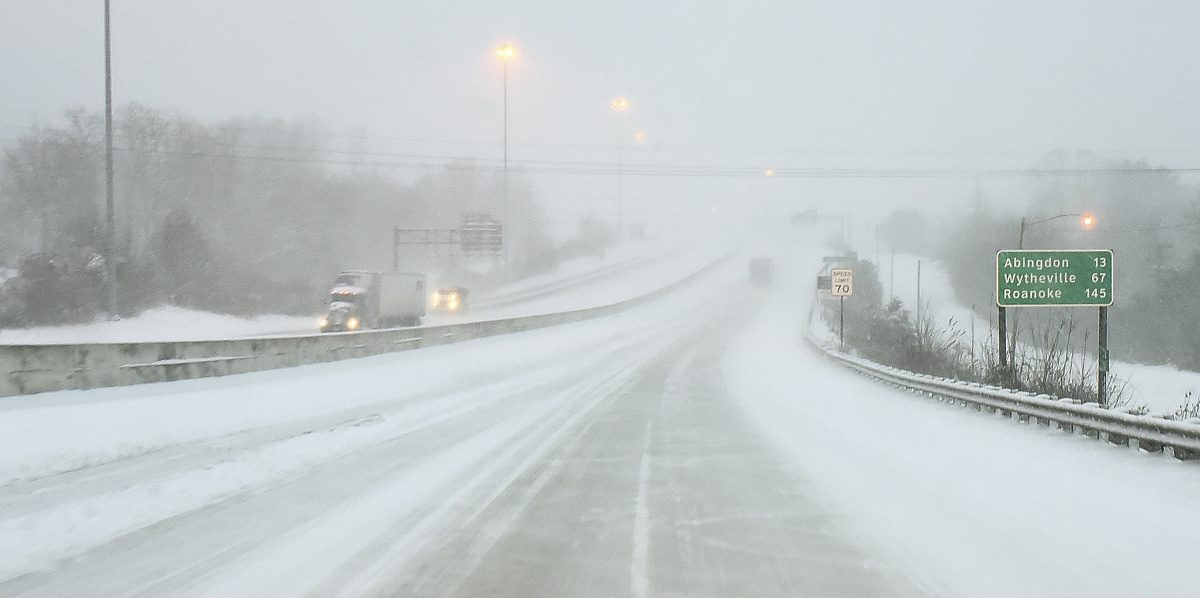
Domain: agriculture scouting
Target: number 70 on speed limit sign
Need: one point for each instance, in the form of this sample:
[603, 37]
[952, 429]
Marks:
[841, 282]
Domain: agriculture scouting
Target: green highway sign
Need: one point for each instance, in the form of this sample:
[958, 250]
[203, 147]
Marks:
[1060, 278]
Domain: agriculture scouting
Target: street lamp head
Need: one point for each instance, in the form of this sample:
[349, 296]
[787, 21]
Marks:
[506, 52]
[639, 136]
[1087, 220]
[620, 104]
[769, 172]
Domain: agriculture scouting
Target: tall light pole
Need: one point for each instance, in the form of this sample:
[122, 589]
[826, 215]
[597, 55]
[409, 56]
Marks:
[620, 106]
[110, 249]
[1086, 221]
[506, 53]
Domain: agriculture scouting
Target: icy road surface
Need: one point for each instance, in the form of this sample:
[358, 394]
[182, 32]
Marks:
[694, 446]
[599, 459]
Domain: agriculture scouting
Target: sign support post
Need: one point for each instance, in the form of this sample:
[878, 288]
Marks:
[1002, 325]
[842, 321]
[1102, 368]
[841, 286]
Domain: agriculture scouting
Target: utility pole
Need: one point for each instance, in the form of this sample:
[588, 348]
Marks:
[892, 277]
[110, 249]
[395, 249]
[919, 334]
[877, 264]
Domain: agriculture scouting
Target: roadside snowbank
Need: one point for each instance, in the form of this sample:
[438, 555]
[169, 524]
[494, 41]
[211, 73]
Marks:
[165, 323]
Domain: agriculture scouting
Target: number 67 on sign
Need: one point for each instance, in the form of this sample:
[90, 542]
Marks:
[842, 282]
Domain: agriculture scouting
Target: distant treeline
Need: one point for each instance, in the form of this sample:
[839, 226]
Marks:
[242, 216]
[1149, 218]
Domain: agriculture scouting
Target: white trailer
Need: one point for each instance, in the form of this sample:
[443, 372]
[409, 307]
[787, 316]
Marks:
[401, 297]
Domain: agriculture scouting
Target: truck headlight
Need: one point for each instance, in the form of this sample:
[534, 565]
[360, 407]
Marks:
[352, 323]
[323, 323]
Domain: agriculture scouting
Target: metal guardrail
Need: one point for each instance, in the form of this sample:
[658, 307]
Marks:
[1177, 438]
[29, 369]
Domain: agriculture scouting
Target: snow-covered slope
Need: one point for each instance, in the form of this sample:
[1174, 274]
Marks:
[1161, 388]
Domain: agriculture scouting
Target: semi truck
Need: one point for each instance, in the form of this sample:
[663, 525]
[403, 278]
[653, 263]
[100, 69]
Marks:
[363, 299]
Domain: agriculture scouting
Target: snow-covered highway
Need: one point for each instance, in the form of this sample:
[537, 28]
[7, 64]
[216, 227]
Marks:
[691, 446]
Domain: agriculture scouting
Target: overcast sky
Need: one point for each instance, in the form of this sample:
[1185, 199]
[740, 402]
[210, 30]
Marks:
[785, 84]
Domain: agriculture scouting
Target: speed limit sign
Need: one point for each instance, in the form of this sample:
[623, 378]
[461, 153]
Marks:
[842, 282]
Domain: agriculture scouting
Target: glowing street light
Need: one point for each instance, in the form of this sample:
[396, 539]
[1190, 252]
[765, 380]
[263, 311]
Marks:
[769, 172]
[1086, 221]
[639, 136]
[506, 53]
[620, 104]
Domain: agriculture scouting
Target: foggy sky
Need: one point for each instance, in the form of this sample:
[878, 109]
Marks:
[784, 84]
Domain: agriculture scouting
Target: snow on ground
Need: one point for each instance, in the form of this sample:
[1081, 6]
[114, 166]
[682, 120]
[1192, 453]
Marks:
[166, 323]
[582, 265]
[1161, 388]
[203, 407]
[638, 279]
[191, 443]
[968, 504]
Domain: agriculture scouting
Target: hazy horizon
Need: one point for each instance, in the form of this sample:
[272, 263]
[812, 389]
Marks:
[766, 84]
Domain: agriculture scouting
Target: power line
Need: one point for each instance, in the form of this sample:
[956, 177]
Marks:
[1145, 229]
[666, 149]
[564, 167]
